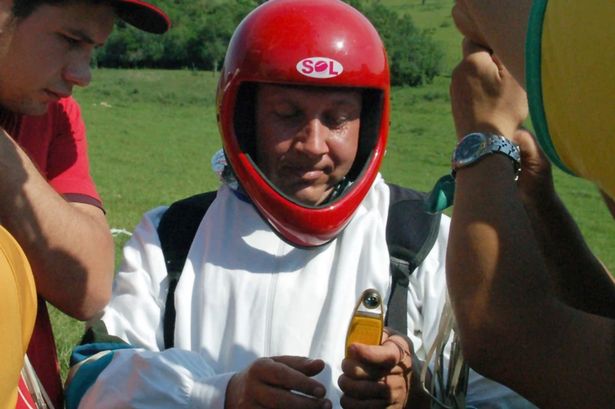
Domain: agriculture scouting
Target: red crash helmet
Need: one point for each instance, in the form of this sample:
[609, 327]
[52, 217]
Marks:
[323, 43]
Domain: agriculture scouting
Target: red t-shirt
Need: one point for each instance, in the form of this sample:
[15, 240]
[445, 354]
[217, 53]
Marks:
[56, 143]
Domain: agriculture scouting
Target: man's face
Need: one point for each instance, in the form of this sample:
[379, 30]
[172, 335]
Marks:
[306, 138]
[44, 55]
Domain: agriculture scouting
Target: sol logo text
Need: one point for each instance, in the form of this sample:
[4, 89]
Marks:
[319, 67]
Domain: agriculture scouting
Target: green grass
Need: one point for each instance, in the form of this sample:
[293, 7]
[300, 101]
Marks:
[152, 134]
[435, 17]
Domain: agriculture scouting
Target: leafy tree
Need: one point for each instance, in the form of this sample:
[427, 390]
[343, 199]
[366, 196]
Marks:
[414, 58]
[202, 29]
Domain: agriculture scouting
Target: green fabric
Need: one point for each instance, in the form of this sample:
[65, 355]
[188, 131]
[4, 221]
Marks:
[441, 196]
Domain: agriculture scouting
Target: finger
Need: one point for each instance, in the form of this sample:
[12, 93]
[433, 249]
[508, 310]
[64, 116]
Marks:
[470, 47]
[401, 340]
[394, 350]
[278, 372]
[380, 356]
[526, 141]
[535, 174]
[374, 371]
[358, 370]
[268, 396]
[363, 389]
[466, 25]
[307, 366]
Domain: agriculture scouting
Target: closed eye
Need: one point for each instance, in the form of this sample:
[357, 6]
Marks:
[72, 42]
[287, 114]
[336, 121]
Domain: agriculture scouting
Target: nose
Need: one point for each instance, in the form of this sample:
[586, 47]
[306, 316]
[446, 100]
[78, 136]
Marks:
[314, 138]
[77, 72]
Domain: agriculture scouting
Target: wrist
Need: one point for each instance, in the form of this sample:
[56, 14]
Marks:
[476, 146]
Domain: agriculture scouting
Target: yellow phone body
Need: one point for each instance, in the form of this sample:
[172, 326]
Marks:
[367, 321]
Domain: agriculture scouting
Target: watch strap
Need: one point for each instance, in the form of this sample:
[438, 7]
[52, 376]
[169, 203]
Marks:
[477, 145]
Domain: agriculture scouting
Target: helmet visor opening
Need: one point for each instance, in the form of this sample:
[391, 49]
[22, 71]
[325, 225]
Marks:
[369, 127]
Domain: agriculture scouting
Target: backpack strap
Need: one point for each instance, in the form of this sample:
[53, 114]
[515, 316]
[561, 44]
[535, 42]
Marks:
[176, 231]
[411, 232]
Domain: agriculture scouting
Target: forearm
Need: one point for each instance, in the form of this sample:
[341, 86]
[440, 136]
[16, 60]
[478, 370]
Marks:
[496, 276]
[578, 277]
[68, 245]
[503, 25]
[512, 328]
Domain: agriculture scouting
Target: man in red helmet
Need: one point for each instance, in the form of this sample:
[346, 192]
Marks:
[285, 248]
[48, 201]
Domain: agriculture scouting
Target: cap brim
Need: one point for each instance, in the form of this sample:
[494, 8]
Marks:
[143, 15]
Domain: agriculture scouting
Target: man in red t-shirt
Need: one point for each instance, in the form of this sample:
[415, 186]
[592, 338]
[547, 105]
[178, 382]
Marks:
[48, 201]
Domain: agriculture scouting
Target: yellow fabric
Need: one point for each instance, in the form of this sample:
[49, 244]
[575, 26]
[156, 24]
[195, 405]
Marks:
[578, 85]
[18, 312]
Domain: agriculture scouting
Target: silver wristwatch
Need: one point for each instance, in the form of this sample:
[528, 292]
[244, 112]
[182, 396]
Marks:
[475, 146]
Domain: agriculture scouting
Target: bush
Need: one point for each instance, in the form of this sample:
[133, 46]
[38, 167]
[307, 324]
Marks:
[202, 30]
[198, 39]
[414, 58]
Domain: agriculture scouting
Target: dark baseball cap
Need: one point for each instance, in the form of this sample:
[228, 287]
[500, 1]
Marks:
[142, 15]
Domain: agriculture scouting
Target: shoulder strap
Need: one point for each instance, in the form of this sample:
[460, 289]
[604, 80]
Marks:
[411, 232]
[176, 231]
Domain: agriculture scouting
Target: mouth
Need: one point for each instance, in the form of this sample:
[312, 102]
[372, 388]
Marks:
[56, 95]
[306, 174]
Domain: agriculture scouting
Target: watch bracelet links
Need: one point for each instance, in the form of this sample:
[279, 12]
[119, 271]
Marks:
[501, 145]
[442, 194]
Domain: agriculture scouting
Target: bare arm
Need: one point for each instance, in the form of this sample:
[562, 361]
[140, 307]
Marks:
[481, 91]
[68, 244]
[498, 25]
[513, 325]
[513, 329]
[577, 276]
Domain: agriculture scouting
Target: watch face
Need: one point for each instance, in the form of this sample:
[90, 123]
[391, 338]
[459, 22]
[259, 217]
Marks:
[468, 151]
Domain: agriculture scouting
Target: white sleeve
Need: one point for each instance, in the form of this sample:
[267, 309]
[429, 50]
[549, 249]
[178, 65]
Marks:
[426, 298]
[148, 376]
[173, 378]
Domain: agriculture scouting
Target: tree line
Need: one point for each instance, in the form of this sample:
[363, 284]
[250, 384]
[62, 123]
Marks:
[202, 29]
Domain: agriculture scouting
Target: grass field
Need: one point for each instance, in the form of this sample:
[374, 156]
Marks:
[152, 134]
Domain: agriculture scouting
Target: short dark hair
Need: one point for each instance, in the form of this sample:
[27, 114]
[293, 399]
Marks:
[23, 8]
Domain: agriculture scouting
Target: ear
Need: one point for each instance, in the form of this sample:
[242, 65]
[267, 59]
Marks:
[6, 12]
